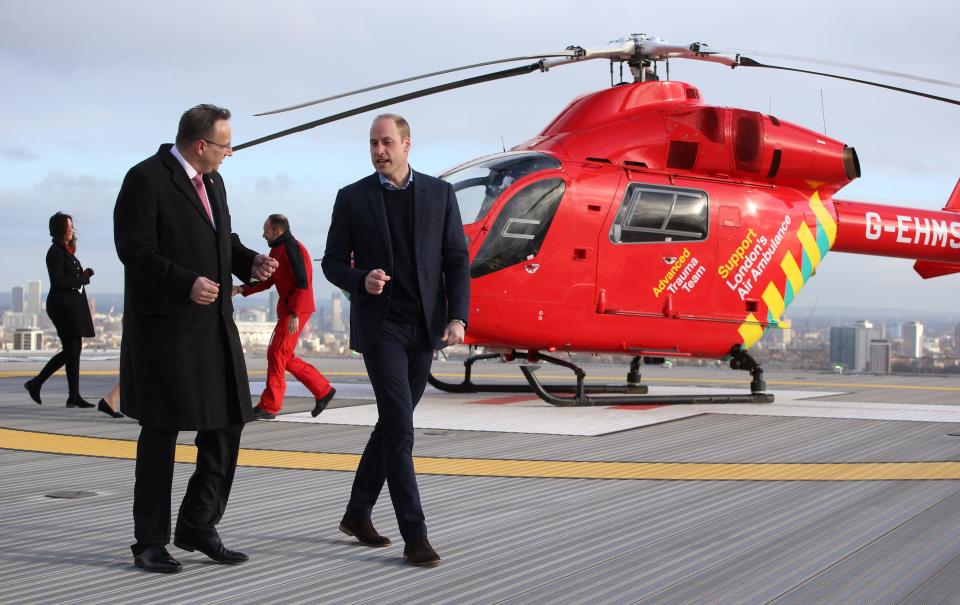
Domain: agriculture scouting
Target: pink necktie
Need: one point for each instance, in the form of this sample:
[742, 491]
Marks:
[202, 192]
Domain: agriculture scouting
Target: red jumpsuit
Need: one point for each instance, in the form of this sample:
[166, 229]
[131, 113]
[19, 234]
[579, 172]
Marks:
[280, 354]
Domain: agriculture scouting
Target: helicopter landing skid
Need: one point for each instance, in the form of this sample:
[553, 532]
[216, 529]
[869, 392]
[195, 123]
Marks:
[468, 386]
[740, 360]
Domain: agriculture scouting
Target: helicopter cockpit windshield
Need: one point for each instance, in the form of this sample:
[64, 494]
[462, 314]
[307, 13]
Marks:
[480, 183]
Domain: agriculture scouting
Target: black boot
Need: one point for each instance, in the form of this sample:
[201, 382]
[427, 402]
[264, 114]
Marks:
[33, 388]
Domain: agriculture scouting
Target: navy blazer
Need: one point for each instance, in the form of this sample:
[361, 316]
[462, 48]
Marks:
[359, 242]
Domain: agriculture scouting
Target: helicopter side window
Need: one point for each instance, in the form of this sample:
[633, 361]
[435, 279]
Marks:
[479, 184]
[520, 228]
[651, 213]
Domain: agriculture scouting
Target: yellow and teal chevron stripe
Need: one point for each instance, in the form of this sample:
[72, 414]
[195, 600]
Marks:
[780, 292]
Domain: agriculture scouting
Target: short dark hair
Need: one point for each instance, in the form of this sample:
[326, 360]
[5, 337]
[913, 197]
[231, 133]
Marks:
[58, 226]
[197, 122]
[402, 125]
[278, 220]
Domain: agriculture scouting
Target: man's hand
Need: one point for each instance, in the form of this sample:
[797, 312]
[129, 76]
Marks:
[234, 290]
[263, 267]
[375, 281]
[453, 334]
[293, 325]
[88, 272]
[204, 291]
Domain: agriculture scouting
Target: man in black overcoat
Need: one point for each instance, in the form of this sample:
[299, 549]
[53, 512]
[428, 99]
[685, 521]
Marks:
[396, 244]
[181, 361]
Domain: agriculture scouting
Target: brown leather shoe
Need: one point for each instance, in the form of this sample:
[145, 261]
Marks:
[363, 530]
[420, 553]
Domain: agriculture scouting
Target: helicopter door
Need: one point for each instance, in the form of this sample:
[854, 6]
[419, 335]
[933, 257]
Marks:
[654, 259]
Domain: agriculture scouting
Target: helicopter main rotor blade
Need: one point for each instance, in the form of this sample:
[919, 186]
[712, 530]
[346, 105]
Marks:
[413, 79]
[882, 72]
[748, 62]
[497, 75]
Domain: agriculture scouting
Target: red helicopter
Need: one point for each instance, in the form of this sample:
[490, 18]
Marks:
[718, 215]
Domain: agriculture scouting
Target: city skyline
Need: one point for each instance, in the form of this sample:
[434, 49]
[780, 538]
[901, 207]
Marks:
[84, 113]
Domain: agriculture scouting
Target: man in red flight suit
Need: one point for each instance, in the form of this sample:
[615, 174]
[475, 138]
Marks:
[294, 281]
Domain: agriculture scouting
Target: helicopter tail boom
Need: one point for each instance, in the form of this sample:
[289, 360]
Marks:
[931, 237]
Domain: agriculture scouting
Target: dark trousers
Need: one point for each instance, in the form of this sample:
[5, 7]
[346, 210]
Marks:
[398, 364]
[207, 492]
[68, 356]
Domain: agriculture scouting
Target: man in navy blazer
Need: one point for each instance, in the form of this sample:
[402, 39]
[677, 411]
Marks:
[396, 245]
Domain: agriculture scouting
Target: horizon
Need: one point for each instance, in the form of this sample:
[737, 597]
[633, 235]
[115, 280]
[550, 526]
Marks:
[84, 113]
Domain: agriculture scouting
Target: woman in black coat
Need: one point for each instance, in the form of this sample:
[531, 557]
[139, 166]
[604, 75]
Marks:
[68, 310]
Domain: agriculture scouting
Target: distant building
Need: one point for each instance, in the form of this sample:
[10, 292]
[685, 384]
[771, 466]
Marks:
[272, 306]
[865, 333]
[27, 339]
[16, 299]
[255, 334]
[33, 306]
[337, 324]
[255, 316]
[879, 362]
[843, 347]
[956, 340]
[912, 333]
[13, 320]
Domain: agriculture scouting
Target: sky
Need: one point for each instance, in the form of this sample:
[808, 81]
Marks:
[93, 87]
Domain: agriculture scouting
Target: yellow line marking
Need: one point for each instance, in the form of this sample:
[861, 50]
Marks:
[591, 378]
[477, 467]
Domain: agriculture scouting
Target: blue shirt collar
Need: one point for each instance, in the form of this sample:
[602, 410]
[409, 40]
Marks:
[385, 182]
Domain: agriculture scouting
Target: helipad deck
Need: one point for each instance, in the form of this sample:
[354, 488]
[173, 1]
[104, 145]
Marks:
[845, 489]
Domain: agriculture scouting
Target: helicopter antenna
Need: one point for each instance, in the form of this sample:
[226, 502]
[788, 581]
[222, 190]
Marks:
[502, 144]
[823, 112]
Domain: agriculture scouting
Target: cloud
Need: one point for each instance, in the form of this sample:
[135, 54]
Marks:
[279, 183]
[18, 154]
[58, 181]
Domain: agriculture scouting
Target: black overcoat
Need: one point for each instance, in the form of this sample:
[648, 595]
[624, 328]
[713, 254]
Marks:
[181, 364]
[66, 301]
[359, 242]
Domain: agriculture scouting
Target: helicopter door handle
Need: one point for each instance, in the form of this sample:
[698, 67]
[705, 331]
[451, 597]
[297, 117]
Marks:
[669, 260]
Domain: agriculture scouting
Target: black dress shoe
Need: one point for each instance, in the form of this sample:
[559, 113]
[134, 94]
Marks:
[106, 409]
[420, 553]
[261, 414]
[158, 560]
[78, 402]
[213, 548]
[322, 402]
[33, 389]
[363, 530]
